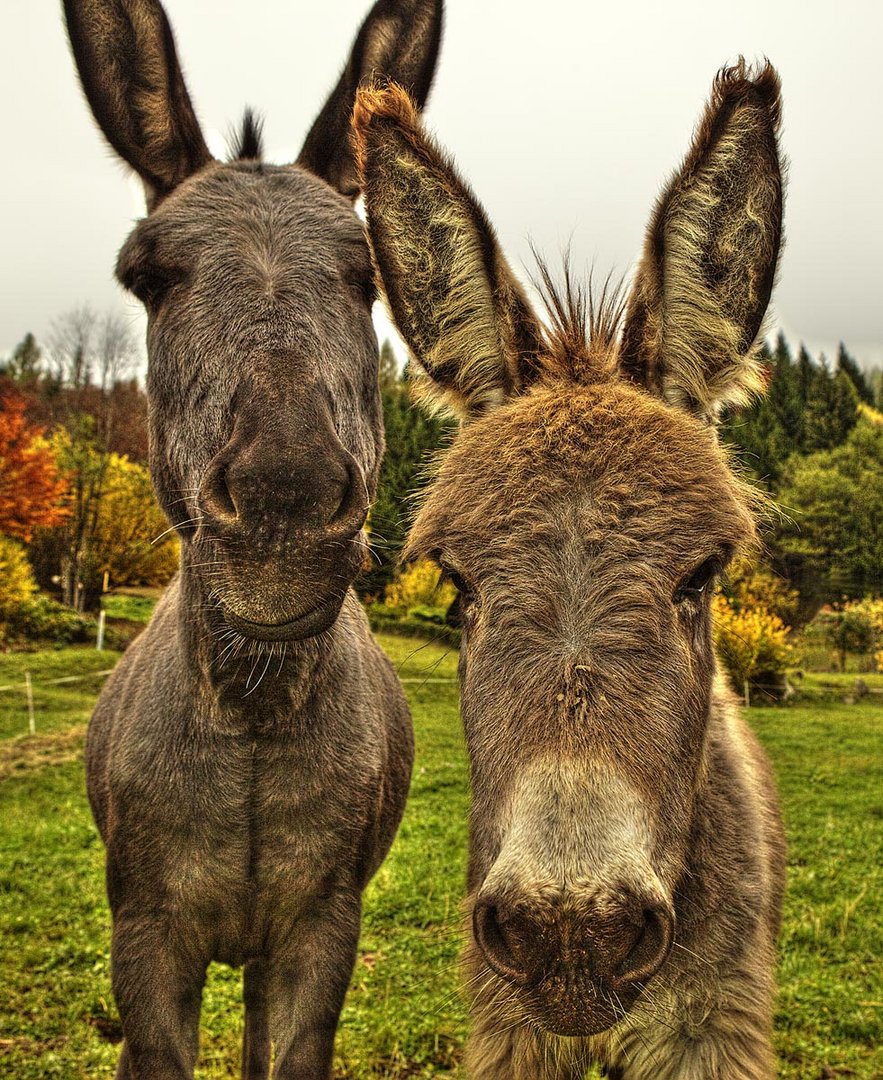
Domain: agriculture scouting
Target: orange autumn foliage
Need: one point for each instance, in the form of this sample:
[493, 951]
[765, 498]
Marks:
[32, 489]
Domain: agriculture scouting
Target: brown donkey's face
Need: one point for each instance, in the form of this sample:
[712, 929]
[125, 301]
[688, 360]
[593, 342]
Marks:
[584, 527]
[584, 513]
[266, 428]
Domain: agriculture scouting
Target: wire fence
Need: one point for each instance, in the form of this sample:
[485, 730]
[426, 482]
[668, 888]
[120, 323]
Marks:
[27, 687]
[756, 694]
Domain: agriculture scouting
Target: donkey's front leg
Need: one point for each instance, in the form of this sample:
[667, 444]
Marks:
[157, 982]
[256, 1040]
[309, 972]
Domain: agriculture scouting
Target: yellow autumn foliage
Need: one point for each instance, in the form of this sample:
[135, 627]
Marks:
[751, 642]
[871, 608]
[133, 542]
[419, 585]
[17, 583]
[749, 584]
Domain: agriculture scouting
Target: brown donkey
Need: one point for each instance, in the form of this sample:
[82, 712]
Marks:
[248, 761]
[626, 857]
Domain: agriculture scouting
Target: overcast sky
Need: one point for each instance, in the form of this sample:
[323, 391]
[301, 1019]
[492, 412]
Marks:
[565, 115]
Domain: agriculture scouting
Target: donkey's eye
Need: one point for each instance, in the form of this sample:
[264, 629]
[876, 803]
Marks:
[458, 613]
[455, 579]
[696, 583]
[150, 286]
[365, 290]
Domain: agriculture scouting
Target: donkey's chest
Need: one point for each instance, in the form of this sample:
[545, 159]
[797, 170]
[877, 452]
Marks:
[237, 827]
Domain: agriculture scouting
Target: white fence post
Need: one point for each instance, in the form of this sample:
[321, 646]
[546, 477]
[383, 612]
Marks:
[29, 693]
[99, 643]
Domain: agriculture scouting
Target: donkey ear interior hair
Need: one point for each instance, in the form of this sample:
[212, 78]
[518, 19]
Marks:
[705, 278]
[450, 291]
[125, 54]
[399, 40]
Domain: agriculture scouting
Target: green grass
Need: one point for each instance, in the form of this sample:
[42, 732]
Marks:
[136, 606]
[404, 1016]
[57, 705]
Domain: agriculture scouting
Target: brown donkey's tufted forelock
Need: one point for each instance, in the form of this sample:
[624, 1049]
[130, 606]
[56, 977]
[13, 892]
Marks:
[626, 850]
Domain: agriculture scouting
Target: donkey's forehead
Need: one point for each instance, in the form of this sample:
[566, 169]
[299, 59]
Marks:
[607, 458]
[226, 203]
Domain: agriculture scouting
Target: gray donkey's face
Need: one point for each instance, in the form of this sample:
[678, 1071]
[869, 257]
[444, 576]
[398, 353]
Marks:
[265, 420]
[266, 430]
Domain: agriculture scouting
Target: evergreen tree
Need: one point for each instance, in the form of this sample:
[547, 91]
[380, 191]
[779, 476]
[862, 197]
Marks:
[783, 398]
[831, 410]
[24, 364]
[805, 376]
[850, 368]
[412, 437]
[876, 382]
[764, 433]
[806, 408]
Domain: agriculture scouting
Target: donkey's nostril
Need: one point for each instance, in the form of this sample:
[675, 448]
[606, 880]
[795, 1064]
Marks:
[650, 948]
[215, 495]
[499, 942]
[352, 504]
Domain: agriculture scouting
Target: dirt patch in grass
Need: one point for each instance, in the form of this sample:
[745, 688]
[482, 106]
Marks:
[26, 1045]
[108, 1028]
[36, 751]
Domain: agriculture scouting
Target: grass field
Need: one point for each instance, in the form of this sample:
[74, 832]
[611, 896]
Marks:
[131, 604]
[404, 1016]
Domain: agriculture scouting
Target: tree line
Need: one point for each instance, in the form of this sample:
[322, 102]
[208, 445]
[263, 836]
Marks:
[75, 489]
[815, 443]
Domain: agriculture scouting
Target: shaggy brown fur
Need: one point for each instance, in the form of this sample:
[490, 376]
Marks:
[626, 852]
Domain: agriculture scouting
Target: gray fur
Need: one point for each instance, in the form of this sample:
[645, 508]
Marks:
[248, 761]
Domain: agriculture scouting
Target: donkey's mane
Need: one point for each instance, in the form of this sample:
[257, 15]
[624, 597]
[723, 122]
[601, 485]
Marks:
[248, 142]
[582, 325]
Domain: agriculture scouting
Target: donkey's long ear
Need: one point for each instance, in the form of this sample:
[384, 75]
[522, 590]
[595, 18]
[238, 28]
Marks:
[399, 40]
[705, 278]
[452, 296]
[126, 57]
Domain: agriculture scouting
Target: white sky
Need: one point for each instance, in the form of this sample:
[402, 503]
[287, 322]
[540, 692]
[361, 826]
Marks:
[565, 115]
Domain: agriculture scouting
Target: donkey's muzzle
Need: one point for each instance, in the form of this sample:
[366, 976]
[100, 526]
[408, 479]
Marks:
[282, 507]
[581, 964]
[268, 494]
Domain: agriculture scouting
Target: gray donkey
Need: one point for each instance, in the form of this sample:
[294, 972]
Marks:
[627, 857]
[249, 759]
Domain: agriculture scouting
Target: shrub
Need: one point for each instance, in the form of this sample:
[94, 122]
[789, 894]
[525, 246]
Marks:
[753, 585]
[419, 588]
[25, 616]
[385, 621]
[17, 583]
[855, 627]
[42, 619]
[752, 644]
